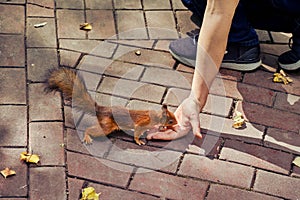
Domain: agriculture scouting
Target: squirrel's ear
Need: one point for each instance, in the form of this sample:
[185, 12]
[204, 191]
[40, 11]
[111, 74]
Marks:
[164, 107]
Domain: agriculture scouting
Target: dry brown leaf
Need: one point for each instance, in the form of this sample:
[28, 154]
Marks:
[238, 119]
[7, 172]
[29, 158]
[89, 193]
[86, 26]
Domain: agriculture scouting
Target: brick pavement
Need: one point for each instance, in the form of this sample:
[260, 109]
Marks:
[253, 163]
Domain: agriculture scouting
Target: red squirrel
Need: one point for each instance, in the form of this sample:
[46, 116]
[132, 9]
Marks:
[109, 118]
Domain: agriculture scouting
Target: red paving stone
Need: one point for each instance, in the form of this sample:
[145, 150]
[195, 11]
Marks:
[250, 163]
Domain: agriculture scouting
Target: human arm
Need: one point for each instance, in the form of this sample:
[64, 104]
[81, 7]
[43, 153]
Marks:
[210, 51]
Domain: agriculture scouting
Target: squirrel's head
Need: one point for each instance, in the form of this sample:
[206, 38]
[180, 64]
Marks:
[168, 119]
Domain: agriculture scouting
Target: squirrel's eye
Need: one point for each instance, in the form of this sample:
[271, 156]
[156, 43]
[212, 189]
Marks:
[170, 121]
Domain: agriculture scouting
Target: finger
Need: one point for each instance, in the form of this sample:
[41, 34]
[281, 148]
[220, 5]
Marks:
[196, 128]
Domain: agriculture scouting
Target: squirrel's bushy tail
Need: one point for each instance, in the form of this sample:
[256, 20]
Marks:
[72, 86]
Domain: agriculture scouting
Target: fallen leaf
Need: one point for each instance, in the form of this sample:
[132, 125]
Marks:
[89, 193]
[238, 119]
[86, 27]
[297, 161]
[40, 25]
[29, 158]
[281, 77]
[7, 172]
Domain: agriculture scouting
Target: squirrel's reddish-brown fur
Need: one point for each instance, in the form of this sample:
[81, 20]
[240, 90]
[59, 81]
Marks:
[110, 118]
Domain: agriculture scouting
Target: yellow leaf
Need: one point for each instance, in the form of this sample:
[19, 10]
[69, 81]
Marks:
[281, 77]
[89, 193]
[297, 161]
[238, 119]
[86, 27]
[7, 172]
[29, 158]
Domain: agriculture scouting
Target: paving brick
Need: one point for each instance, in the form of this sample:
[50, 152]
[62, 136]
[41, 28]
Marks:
[68, 58]
[213, 170]
[99, 4]
[13, 88]
[40, 61]
[135, 43]
[102, 22]
[156, 4]
[264, 79]
[128, 4]
[217, 192]
[162, 45]
[166, 77]
[68, 22]
[46, 139]
[93, 47]
[14, 186]
[284, 140]
[168, 186]
[70, 119]
[220, 126]
[12, 50]
[177, 4]
[230, 74]
[43, 3]
[124, 70]
[184, 22]
[183, 68]
[34, 10]
[13, 1]
[132, 89]
[98, 169]
[12, 19]
[43, 106]
[75, 4]
[13, 125]
[99, 148]
[161, 24]
[276, 184]
[149, 57]
[227, 88]
[275, 49]
[287, 102]
[257, 156]
[271, 117]
[134, 30]
[107, 192]
[91, 80]
[43, 36]
[108, 100]
[296, 172]
[269, 62]
[142, 105]
[46, 182]
[145, 156]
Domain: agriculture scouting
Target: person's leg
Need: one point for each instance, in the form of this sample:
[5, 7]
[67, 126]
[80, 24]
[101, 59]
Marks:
[243, 44]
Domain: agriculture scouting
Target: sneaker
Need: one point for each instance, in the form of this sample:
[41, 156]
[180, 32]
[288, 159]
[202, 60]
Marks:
[289, 60]
[236, 57]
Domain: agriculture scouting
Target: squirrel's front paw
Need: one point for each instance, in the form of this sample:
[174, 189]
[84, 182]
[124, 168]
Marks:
[87, 139]
[139, 142]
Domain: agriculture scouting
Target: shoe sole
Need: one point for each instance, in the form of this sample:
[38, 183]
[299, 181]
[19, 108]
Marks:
[290, 67]
[233, 66]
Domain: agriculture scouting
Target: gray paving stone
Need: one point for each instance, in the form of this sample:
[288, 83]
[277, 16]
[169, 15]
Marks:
[12, 51]
[128, 4]
[134, 30]
[68, 22]
[40, 61]
[43, 36]
[156, 4]
[43, 106]
[75, 4]
[46, 140]
[46, 181]
[99, 4]
[13, 125]
[13, 86]
[12, 19]
[14, 186]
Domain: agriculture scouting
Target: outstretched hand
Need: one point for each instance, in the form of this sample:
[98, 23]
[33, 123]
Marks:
[187, 115]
